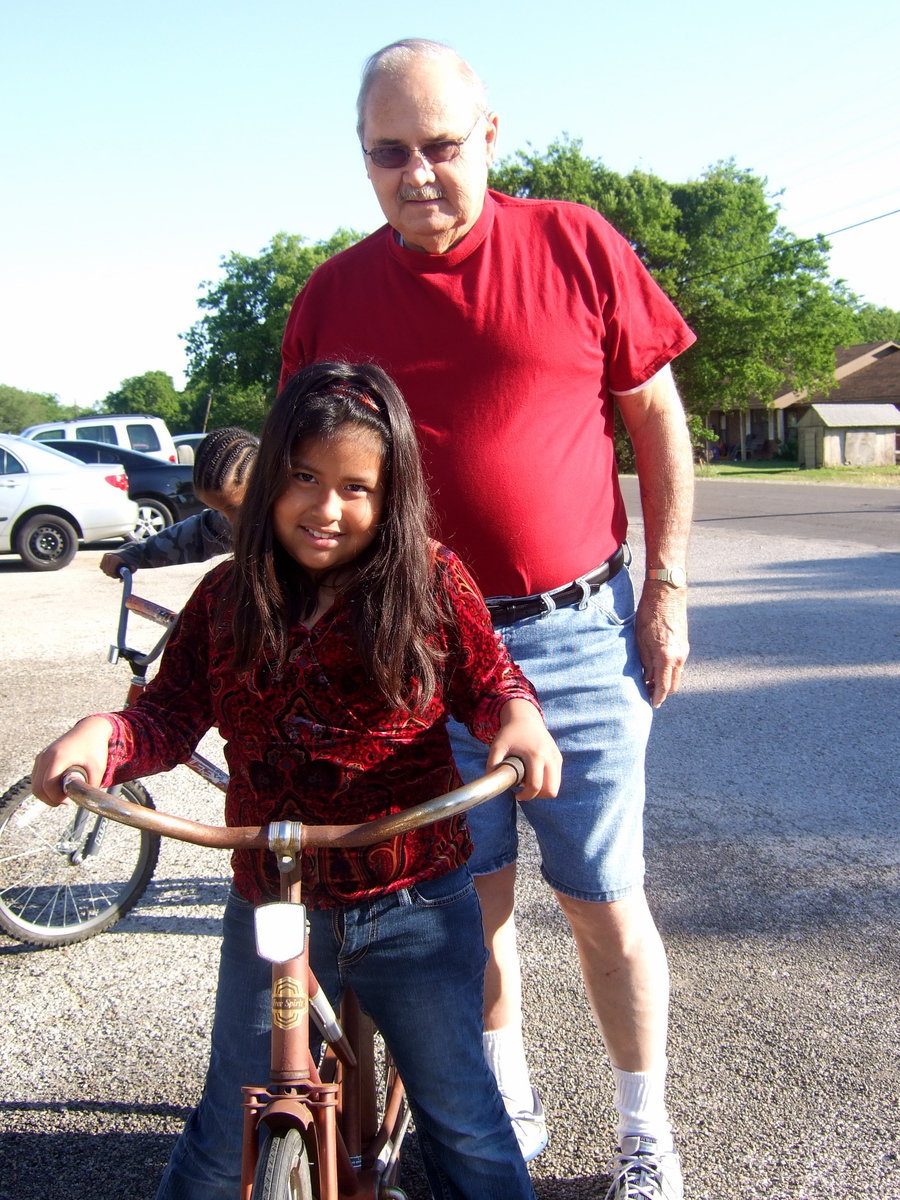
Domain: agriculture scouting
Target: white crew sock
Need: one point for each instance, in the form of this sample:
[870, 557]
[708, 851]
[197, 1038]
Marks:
[504, 1050]
[640, 1103]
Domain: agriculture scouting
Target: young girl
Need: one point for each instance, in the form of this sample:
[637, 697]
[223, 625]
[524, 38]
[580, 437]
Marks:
[222, 467]
[329, 654]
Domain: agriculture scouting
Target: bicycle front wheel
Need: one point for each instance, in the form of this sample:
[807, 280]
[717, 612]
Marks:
[283, 1170]
[65, 873]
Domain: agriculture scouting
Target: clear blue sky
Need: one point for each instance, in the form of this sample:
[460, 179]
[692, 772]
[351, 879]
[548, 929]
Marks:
[142, 143]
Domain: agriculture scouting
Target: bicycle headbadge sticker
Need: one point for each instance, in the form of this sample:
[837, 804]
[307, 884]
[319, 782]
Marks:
[289, 1003]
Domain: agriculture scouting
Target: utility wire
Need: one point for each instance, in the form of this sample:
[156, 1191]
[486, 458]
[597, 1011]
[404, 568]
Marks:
[783, 249]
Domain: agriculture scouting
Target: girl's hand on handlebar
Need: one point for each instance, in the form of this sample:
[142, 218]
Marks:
[86, 745]
[524, 734]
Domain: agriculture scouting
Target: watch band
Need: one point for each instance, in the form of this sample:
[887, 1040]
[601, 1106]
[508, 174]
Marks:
[675, 577]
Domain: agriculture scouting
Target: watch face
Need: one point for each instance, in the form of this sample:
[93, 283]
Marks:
[678, 576]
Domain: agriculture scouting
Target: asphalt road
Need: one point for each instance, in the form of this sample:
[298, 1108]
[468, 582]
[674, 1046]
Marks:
[773, 868]
[868, 516]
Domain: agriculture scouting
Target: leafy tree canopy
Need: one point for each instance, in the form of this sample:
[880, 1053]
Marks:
[874, 324]
[234, 350]
[19, 409]
[766, 314]
[760, 300]
[152, 394]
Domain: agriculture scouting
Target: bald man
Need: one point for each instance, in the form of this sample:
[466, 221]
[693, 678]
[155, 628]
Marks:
[514, 328]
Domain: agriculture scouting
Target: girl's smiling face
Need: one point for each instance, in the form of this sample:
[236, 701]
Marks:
[329, 512]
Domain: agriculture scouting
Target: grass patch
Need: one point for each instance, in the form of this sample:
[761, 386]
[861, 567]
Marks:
[787, 472]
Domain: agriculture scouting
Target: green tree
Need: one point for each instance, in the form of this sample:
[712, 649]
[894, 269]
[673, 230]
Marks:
[639, 205]
[874, 324]
[768, 317]
[760, 300]
[234, 350]
[19, 409]
[152, 393]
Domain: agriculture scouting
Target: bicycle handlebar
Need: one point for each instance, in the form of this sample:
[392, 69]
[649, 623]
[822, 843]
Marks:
[288, 837]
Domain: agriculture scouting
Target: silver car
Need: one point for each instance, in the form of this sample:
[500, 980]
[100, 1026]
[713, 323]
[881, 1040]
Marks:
[49, 503]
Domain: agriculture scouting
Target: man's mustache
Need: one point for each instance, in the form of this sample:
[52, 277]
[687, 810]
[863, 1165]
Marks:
[428, 192]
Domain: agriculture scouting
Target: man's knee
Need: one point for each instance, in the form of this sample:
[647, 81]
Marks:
[618, 928]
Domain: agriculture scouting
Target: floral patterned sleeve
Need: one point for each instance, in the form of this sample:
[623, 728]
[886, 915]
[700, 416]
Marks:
[482, 676]
[162, 728]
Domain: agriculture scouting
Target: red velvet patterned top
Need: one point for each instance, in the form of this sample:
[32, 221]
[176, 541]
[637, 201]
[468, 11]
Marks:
[317, 742]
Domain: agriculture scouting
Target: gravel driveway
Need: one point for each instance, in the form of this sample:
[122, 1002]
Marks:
[773, 868]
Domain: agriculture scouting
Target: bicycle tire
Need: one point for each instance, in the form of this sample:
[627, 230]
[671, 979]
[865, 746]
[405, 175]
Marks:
[283, 1170]
[48, 895]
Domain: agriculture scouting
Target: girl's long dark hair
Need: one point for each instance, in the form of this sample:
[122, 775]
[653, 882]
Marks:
[391, 592]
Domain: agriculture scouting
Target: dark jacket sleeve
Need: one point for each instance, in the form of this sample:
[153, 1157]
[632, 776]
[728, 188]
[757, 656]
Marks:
[195, 539]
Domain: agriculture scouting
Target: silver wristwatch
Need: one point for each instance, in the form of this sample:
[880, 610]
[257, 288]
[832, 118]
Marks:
[675, 577]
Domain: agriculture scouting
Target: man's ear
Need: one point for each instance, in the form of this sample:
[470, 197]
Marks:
[490, 136]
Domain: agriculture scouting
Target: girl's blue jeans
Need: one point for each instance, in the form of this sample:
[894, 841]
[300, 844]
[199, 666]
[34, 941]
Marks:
[415, 959]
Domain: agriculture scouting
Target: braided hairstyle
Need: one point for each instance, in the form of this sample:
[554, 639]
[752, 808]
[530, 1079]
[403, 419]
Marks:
[224, 459]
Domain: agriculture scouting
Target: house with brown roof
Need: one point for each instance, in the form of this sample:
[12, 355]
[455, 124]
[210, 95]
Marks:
[867, 374]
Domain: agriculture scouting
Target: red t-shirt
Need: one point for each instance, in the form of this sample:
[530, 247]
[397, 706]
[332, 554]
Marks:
[506, 349]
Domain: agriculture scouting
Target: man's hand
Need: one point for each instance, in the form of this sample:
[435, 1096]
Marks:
[662, 636]
[523, 733]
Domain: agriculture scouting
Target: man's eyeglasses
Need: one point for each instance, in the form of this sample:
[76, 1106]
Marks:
[394, 157]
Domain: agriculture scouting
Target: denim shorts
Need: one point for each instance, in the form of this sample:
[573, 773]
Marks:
[584, 664]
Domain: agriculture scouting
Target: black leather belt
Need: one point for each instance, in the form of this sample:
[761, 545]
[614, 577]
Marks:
[505, 609]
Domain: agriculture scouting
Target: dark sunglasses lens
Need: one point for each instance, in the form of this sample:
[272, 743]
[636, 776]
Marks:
[439, 152]
[389, 156]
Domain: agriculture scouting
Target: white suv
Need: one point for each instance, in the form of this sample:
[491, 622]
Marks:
[133, 432]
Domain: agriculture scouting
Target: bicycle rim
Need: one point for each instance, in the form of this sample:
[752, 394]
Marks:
[283, 1171]
[53, 891]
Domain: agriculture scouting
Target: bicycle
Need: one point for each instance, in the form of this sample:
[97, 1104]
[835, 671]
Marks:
[64, 875]
[333, 1133]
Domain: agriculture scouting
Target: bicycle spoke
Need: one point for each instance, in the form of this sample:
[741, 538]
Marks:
[52, 890]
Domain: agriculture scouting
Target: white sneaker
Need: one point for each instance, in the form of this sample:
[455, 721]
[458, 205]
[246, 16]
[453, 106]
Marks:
[642, 1171]
[529, 1126]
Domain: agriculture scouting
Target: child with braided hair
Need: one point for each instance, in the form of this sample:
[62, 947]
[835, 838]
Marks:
[222, 466]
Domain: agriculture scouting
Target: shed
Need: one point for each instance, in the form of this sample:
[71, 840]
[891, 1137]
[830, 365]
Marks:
[848, 435]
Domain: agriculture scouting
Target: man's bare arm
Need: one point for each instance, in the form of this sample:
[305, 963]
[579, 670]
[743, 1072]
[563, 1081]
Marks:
[656, 423]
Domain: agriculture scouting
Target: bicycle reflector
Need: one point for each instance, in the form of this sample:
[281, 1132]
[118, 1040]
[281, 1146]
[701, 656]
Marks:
[280, 931]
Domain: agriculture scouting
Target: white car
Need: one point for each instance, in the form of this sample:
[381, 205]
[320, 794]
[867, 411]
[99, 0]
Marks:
[49, 503]
[133, 431]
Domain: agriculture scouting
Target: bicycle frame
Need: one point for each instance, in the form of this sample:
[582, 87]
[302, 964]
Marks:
[333, 1110]
[356, 1156]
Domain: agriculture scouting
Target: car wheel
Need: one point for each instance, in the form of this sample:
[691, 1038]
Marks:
[152, 518]
[46, 542]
